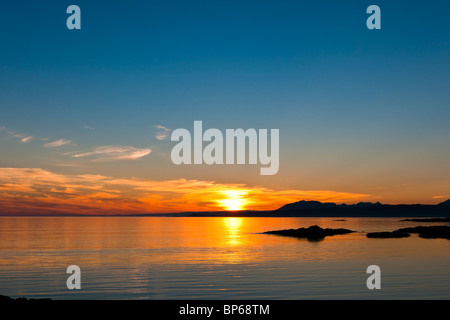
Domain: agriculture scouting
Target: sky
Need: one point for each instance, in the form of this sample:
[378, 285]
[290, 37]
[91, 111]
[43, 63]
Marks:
[86, 115]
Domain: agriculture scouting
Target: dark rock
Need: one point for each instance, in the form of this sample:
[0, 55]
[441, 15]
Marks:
[387, 234]
[428, 220]
[313, 232]
[429, 232]
[22, 299]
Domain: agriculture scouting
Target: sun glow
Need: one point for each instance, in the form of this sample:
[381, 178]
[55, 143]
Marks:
[233, 200]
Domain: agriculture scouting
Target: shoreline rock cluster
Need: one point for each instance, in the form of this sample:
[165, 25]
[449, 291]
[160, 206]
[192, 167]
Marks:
[433, 232]
[312, 232]
[22, 299]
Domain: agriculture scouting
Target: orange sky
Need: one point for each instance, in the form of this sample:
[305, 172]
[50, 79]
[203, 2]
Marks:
[38, 191]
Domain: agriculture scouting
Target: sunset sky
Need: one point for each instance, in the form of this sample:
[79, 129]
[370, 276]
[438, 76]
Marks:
[86, 115]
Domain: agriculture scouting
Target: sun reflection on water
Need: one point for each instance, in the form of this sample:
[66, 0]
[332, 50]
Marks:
[233, 227]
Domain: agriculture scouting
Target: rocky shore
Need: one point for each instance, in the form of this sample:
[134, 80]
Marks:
[313, 232]
[433, 232]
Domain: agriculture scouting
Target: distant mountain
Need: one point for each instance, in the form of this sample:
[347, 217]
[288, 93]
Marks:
[364, 204]
[299, 205]
[362, 209]
[306, 205]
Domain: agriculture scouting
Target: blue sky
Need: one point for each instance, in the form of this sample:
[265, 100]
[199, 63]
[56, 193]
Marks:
[358, 110]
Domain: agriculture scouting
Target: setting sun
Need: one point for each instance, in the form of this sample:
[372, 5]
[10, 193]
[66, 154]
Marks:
[233, 200]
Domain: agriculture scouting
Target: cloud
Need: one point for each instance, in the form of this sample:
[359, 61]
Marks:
[26, 139]
[34, 190]
[162, 133]
[57, 143]
[88, 127]
[110, 153]
[22, 137]
[440, 197]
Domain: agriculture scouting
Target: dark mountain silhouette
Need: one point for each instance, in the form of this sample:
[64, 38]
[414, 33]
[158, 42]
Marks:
[301, 205]
[445, 203]
[329, 209]
[305, 208]
[362, 209]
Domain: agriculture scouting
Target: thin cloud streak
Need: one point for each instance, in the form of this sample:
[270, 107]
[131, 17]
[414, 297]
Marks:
[26, 139]
[110, 153]
[57, 143]
[440, 197]
[22, 137]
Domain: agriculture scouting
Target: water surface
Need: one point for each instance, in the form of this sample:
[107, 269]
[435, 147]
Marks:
[216, 258]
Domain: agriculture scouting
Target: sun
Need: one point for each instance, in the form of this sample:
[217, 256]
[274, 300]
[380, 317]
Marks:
[232, 204]
[233, 200]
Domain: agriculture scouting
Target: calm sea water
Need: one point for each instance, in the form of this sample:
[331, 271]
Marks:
[216, 258]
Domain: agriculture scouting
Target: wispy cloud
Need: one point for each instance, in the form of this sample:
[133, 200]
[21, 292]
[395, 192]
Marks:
[57, 143]
[109, 153]
[25, 139]
[22, 137]
[440, 197]
[162, 133]
[89, 127]
[34, 190]
[98, 154]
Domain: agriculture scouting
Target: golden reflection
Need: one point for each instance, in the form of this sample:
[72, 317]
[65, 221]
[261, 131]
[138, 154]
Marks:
[233, 224]
[233, 228]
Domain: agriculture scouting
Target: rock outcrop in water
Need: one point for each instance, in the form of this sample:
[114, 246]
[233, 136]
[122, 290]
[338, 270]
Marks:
[22, 299]
[429, 232]
[313, 232]
[433, 232]
[388, 234]
[428, 220]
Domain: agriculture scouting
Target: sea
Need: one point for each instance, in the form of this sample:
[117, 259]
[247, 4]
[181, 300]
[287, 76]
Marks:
[220, 258]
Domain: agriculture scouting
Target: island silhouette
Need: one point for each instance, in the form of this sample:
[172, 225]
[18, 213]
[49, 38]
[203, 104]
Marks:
[304, 208]
[429, 232]
[313, 232]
